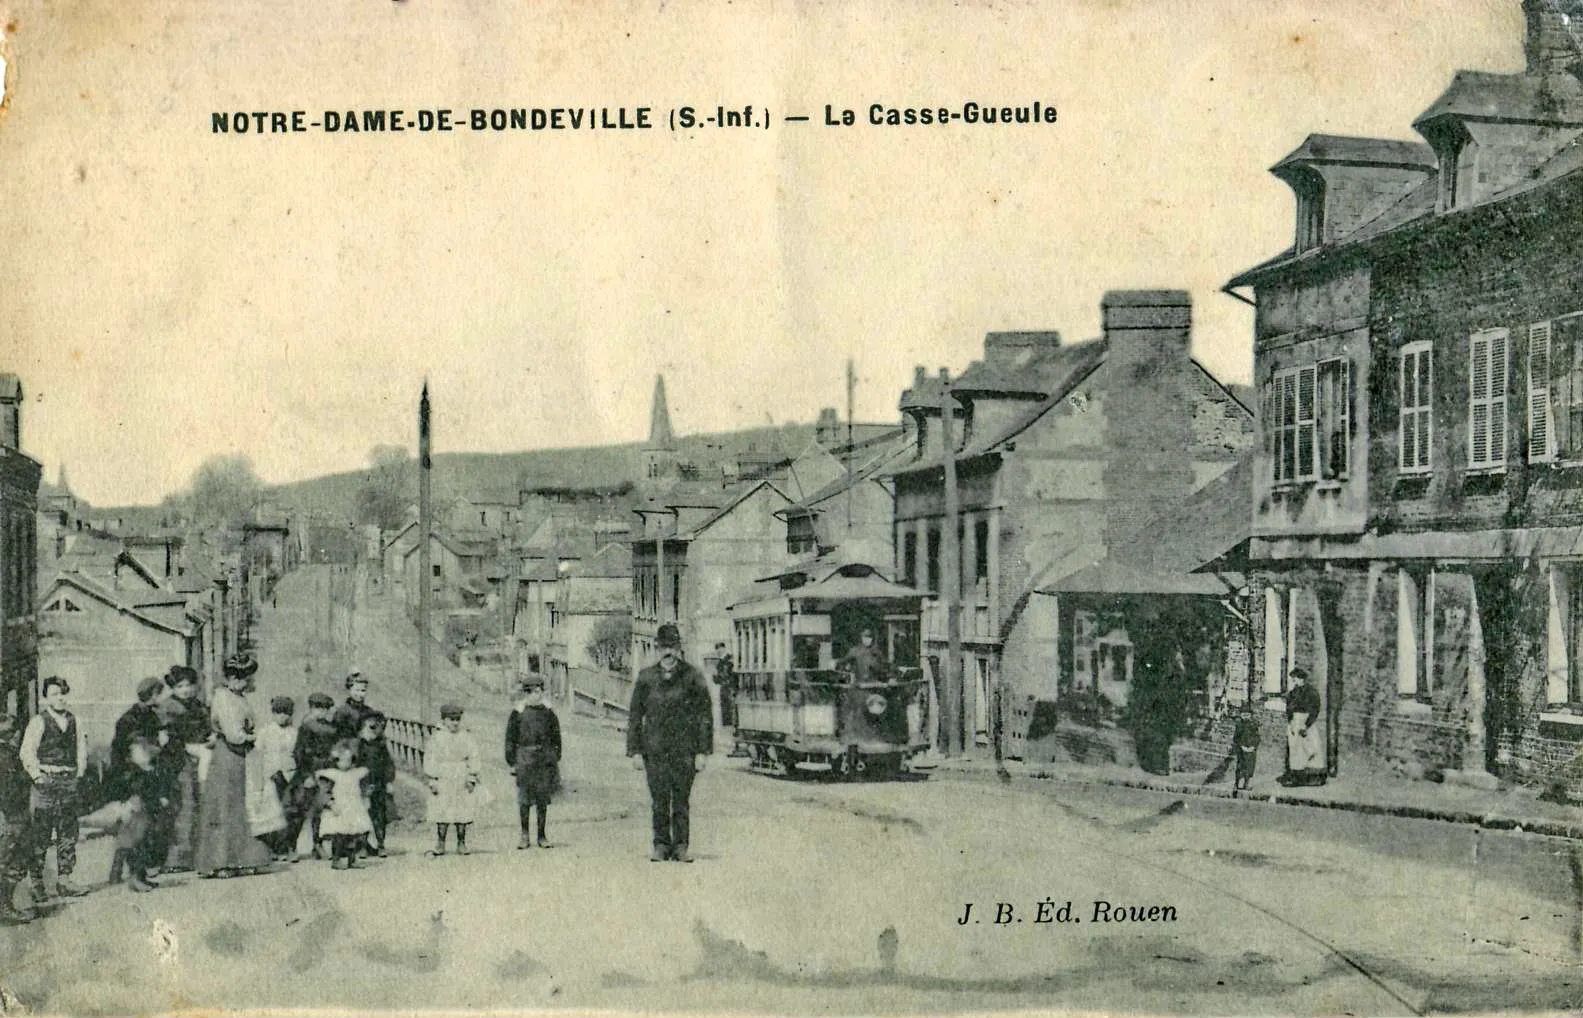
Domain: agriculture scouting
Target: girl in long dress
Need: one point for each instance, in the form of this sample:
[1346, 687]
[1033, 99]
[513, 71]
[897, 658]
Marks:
[345, 818]
[450, 765]
[226, 845]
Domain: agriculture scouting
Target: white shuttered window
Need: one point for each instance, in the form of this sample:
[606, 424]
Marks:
[1487, 399]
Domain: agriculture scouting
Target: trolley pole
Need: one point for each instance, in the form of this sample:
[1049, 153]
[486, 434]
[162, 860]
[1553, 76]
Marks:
[951, 574]
[425, 568]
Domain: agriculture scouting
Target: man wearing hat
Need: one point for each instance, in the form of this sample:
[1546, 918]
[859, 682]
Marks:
[141, 720]
[670, 733]
[533, 752]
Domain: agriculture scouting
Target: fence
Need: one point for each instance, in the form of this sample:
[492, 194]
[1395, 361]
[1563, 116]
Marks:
[407, 739]
[601, 694]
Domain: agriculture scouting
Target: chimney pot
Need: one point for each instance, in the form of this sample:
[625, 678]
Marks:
[1157, 318]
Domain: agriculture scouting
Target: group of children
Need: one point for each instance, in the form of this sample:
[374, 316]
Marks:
[332, 773]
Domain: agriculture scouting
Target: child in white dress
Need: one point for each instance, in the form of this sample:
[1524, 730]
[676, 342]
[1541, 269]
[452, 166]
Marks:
[345, 819]
[450, 765]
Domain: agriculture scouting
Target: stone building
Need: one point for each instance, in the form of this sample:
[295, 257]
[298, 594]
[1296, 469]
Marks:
[19, 484]
[1418, 492]
[1061, 451]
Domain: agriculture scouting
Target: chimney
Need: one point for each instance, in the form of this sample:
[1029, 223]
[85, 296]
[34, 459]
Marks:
[10, 412]
[1553, 30]
[1016, 349]
[828, 430]
[1145, 325]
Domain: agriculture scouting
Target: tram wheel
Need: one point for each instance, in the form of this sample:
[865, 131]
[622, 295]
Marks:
[789, 763]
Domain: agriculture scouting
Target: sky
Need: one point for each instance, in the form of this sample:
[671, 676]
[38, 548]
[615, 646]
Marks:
[172, 294]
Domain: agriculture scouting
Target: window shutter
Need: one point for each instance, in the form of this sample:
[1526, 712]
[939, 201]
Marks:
[1406, 396]
[1557, 666]
[1478, 397]
[1497, 397]
[1306, 465]
[1540, 447]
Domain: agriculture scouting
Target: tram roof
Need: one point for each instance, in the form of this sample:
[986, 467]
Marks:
[838, 584]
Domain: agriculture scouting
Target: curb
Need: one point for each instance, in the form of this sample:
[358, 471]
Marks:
[1487, 821]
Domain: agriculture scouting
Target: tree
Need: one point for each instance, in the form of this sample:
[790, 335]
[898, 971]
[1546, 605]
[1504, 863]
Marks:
[387, 487]
[224, 492]
[610, 641]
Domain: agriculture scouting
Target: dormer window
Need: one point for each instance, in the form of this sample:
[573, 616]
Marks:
[1309, 187]
[1453, 151]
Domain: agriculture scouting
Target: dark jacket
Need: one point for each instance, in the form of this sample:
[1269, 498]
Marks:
[670, 716]
[381, 765]
[16, 788]
[312, 752]
[141, 719]
[1247, 732]
[189, 720]
[1303, 699]
[348, 718]
[533, 738]
[147, 786]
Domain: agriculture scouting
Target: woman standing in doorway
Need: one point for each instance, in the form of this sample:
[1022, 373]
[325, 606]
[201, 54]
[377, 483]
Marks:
[1305, 733]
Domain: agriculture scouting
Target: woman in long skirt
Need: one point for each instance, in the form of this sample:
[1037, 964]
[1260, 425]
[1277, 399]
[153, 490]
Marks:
[1305, 733]
[226, 845]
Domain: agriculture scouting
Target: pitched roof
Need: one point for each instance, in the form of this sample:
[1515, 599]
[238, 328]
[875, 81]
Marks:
[1162, 556]
[1482, 95]
[1061, 371]
[100, 593]
[1339, 148]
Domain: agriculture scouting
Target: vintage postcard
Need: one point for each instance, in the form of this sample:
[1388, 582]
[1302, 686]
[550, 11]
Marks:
[791, 507]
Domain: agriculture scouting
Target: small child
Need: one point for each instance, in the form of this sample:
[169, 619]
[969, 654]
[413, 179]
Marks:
[144, 795]
[276, 748]
[533, 752]
[1246, 740]
[315, 737]
[373, 754]
[345, 816]
[16, 788]
[450, 765]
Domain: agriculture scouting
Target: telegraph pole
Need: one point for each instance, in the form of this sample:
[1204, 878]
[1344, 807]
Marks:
[851, 453]
[425, 567]
[951, 573]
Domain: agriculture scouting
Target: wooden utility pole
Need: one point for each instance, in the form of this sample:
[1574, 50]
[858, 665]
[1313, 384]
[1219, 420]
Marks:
[951, 573]
[425, 566]
[851, 453]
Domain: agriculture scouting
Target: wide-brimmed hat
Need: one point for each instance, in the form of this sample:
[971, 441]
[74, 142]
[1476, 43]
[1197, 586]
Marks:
[240, 666]
[668, 636]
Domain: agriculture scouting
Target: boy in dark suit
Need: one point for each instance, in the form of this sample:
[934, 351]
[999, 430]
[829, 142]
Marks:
[374, 753]
[315, 737]
[533, 752]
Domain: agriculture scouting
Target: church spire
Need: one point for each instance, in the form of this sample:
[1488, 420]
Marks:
[660, 434]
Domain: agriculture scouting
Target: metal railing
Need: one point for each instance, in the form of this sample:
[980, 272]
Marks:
[407, 740]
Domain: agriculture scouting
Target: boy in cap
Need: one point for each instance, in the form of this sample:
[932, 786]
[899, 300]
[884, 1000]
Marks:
[373, 754]
[276, 748]
[15, 837]
[533, 752]
[142, 719]
[316, 736]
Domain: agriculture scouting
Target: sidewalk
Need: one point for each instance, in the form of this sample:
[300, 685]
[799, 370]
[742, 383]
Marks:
[1361, 791]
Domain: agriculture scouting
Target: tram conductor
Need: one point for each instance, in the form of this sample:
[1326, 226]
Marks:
[670, 734]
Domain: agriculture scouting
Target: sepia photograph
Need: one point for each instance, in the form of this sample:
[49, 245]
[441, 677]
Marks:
[791, 507]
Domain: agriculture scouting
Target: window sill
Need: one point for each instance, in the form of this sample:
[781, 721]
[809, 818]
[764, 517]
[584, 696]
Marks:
[1556, 716]
[1484, 471]
[1414, 707]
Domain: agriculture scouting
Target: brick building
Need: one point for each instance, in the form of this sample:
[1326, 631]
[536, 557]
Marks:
[1061, 451]
[1418, 495]
[19, 484]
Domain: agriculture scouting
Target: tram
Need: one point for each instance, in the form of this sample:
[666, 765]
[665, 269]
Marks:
[828, 673]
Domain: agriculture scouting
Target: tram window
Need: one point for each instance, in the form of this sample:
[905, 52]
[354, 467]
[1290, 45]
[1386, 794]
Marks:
[934, 561]
[805, 651]
[980, 550]
[909, 558]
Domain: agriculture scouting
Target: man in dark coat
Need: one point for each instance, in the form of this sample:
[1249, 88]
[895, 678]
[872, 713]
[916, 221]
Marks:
[670, 733]
[533, 752]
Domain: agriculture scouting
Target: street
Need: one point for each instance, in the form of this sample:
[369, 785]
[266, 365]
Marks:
[813, 896]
